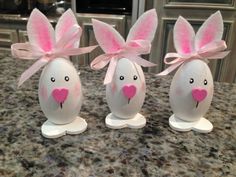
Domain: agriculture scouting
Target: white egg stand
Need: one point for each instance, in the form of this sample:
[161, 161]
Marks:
[62, 108]
[138, 121]
[60, 93]
[125, 82]
[192, 88]
[202, 125]
[189, 84]
[124, 102]
[52, 130]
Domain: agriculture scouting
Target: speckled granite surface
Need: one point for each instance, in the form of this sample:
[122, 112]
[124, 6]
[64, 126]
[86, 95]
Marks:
[155, 150]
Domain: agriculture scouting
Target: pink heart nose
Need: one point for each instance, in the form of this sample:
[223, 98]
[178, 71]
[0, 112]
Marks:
[199, 94]
[129, 91]
[60, 95]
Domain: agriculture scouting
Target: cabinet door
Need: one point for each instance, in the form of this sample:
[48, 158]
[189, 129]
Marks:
[88, 38]
[7, 37]
[196, 12]
[23, 37]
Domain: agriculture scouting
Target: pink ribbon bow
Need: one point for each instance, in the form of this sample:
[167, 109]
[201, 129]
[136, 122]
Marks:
[213, 50]
[63, 48]
[131, 50]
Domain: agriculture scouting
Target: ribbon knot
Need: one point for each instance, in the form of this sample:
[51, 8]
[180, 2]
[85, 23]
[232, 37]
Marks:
[49, 55]
[213, 50]
[64, 47]
[131, 50]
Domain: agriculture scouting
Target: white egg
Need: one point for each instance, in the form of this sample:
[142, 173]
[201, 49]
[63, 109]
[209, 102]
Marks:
[191, 91]
[60, 93]
[125, 94]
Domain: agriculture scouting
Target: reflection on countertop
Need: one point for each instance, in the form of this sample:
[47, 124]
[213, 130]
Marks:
[155, 150]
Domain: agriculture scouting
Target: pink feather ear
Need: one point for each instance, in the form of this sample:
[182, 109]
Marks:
[65, 23]
[183, 36]
[211, 30]
[145, 27]
[40, 31]
[107, 37]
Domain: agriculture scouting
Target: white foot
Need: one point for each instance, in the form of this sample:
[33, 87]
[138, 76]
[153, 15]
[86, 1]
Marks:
[51, 130]
[138, 121]
[202, 125]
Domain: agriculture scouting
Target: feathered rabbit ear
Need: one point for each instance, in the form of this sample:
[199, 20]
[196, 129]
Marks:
[184, 36]
[211, 30]
[40, 31]
[65, 23]
[107, 37]
[145, 27]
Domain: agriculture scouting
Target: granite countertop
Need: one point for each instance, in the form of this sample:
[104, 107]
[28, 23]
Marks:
[155, 150]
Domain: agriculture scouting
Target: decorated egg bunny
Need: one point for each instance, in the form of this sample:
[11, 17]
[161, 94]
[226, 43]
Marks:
[60, 92]
[125, 82]
[191, 90]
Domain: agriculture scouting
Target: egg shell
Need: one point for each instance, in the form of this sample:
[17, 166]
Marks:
[180, 96]
[118, 103]
[58, 69]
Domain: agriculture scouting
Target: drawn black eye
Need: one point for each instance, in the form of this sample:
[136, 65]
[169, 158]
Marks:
[53, 79]
[191, 80]
[122, 78]
[135, 77]
[67, 78]
[205, 82]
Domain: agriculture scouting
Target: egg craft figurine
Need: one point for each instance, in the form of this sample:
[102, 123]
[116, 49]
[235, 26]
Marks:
[124, 80]
[191, 89]
[60, 91]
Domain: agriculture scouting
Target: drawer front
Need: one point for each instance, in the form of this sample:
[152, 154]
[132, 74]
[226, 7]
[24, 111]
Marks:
[7, 37]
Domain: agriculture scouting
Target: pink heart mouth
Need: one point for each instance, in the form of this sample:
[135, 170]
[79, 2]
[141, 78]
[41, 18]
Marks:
[60, 95]
[129, 91]
[199, 94]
